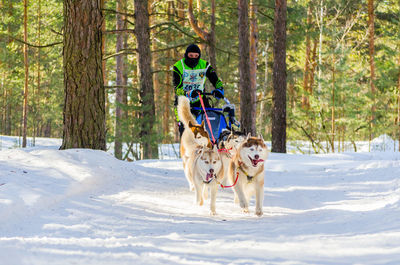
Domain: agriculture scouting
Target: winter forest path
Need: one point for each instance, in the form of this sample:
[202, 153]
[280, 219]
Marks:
[86, 207]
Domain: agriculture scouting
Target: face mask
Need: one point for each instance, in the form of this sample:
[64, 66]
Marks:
[191, 62]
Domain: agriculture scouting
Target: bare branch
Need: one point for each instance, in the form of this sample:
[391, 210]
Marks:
[265, 15]
[193, 22]
[33, 45]
[171, 47]
[117, 31]
[122, 52]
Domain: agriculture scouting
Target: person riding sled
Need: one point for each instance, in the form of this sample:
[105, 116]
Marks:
[189, 76]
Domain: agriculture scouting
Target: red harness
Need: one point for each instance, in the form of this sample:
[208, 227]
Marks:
[208, 121]
[237, 176]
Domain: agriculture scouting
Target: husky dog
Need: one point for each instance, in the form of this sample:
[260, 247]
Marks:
[230, 140]
[247, 165]
[228, 143]
[205, 167]
[193, 135]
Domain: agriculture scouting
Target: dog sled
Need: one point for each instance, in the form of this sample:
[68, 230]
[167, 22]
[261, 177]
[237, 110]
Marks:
[216, 119]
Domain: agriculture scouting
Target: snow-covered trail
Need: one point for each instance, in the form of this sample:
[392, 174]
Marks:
[85, 207]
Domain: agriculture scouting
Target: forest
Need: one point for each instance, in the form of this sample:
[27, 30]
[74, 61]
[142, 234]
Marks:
[342, 68]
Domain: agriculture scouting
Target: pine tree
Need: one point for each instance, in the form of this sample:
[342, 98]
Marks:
[279, 79]
[84, 105]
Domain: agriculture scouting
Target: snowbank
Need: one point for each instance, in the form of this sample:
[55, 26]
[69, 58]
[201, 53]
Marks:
[85, 207]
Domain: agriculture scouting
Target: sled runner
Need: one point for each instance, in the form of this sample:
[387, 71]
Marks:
[216, 118]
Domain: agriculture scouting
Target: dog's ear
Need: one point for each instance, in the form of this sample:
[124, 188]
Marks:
[190, 124]
[215, 148]
[199, 149]
[202, 124]
[248, 136]
[261, 137]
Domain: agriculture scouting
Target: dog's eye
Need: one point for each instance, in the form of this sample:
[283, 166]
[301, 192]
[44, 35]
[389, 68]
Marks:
[206, 162]
[214, 162]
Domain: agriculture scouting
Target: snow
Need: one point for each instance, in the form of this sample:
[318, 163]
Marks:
[83, 206]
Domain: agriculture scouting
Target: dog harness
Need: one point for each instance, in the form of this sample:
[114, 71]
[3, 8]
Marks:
[249, 178]
[224, 150]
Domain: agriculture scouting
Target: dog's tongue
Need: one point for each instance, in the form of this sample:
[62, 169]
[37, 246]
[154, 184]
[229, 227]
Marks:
[256, 161]
[209, 176]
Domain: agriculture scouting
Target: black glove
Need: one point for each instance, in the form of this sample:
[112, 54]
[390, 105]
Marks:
[218, 93]
[194, 93]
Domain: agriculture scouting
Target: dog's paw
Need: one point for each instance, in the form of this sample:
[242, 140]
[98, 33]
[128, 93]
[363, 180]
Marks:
[245, 210]
[213, 213]
[259, 213]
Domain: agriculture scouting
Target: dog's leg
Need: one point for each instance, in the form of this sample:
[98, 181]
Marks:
[213, 198]
[205, 192]
[236, 199]
[259, 197]
[189, 177]
[198, 187]
[242, 197]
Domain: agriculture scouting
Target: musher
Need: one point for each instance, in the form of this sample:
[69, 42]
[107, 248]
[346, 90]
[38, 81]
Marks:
[190, 74]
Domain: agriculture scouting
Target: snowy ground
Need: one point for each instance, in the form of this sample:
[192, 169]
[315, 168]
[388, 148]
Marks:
[85, 207]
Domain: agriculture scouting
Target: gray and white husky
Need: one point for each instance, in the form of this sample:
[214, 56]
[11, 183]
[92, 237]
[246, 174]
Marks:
[247, 166]
[205, 168]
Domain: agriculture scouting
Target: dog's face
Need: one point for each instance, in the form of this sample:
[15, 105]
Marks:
[210, 162]
[200, 133]
[253, 151]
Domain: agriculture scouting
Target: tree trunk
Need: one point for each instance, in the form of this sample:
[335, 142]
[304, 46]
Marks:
[247, 100]
[333, 105]
[104, 62]
[26, 64]
[398, 104]
[84, 106]
[37, 120]
[167, 95]
[264, 92]
[305, 103]
[253, 59]
[311, 79]
[9, 91]
[279, 79]
[119, 113]
[321, 30]
[371, 29]
[147, 114]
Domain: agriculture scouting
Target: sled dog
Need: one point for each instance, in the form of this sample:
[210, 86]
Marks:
[228, 143]
[247, 165]
[230, 140]
[205, 167]
[193, 135]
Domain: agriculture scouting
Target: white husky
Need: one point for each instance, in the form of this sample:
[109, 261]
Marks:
[247, 170]
[193, 135]
[205, 167]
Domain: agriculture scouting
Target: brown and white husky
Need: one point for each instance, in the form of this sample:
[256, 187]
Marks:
[193, 135]
[247, 165]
